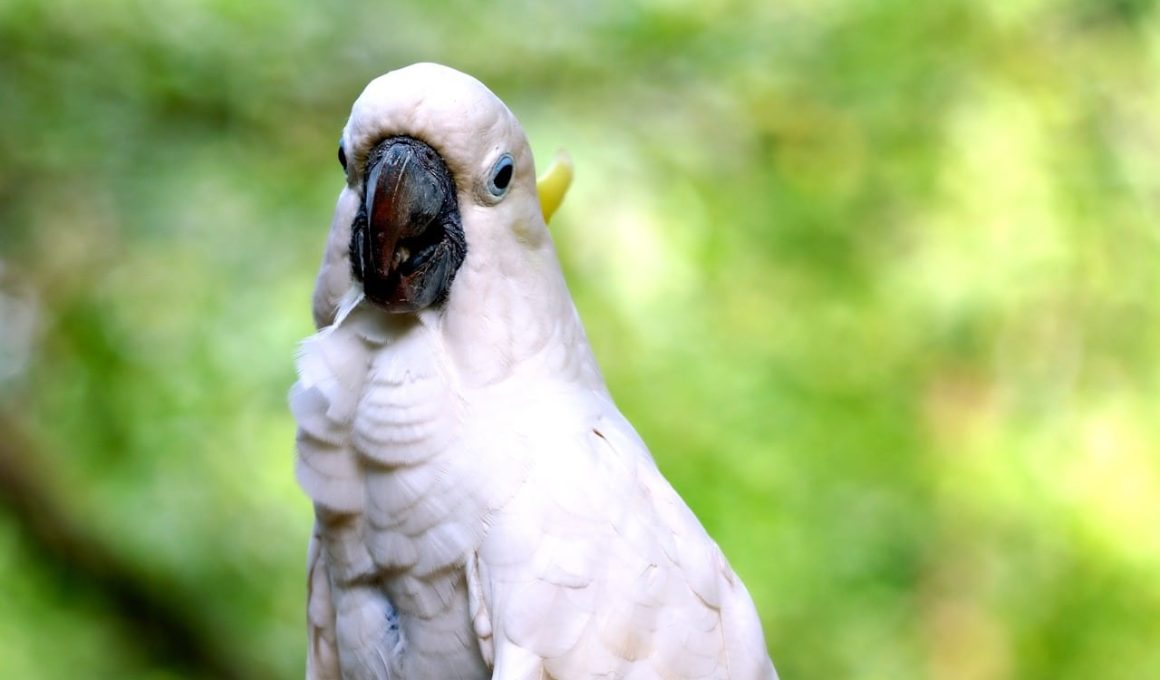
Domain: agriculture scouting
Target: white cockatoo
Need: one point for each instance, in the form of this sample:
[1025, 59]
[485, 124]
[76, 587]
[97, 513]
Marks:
[482, 507]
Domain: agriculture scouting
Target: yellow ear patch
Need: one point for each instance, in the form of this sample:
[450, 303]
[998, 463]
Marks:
[553, 184]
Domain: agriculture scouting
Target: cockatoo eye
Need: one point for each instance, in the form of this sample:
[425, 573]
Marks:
[341, 156]
[501, 176]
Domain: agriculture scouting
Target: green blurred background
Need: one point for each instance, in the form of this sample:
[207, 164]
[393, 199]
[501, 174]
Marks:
[877, 281]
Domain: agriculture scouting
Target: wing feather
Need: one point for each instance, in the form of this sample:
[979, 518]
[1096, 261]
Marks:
[618, 578]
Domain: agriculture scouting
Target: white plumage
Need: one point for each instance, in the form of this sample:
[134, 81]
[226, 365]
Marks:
[483, 509]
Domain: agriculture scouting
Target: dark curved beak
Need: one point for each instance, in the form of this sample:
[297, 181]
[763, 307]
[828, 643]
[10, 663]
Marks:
[404, 195]
[407, 241]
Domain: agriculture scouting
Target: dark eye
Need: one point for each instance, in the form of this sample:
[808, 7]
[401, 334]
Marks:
[501, 176]
[342, 156]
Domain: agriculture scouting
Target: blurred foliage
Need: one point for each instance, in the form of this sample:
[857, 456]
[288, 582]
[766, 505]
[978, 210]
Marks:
[876, 280]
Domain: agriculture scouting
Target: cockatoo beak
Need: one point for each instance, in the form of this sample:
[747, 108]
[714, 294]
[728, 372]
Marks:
[407, 241]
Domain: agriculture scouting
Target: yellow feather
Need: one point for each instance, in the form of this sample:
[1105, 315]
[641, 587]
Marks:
[553, 184]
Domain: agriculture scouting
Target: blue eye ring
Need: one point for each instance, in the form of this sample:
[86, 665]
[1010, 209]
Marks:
[500, 178]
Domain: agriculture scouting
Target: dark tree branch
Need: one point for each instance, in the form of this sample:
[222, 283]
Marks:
[149, 614]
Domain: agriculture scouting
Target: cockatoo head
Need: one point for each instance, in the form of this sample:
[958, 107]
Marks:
[443, 177]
